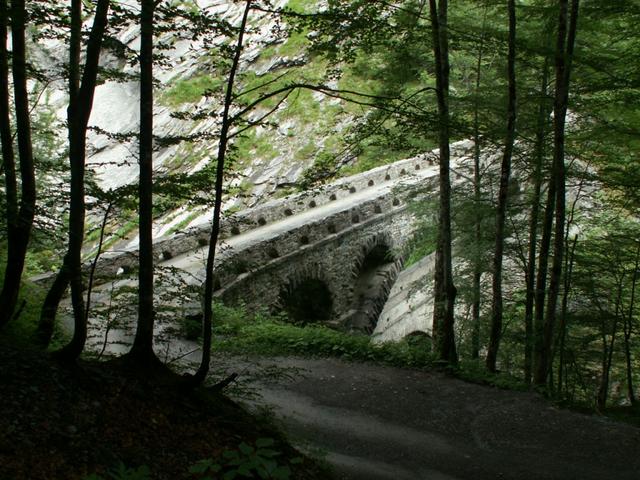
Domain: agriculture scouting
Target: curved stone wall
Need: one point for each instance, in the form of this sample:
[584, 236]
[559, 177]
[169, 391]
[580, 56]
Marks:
[409, 308]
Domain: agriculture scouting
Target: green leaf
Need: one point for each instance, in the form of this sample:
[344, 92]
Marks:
[246, 449]
[262, 472]
[264, 442]
[281, 473]
[270, 465]
[201, 467]
[231, 454]
[230, 475]
[245, 470]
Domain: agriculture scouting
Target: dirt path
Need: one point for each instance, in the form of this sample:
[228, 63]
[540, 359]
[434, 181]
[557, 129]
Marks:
[375, 422]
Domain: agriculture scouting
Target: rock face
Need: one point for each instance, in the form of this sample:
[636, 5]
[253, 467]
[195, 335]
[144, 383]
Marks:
[267, 159]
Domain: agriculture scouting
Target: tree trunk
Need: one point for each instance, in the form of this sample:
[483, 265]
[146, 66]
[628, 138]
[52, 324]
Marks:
[568, 268]
[444, 289]
[530, 274]
[607, 353]
[477, 267]
[565, 306]
[628, 329]
[19, 240]
[207, 323]
[540, 286]
[142, 349]
[80, 104]
[503, 198]
[9, 294]
[564, 55]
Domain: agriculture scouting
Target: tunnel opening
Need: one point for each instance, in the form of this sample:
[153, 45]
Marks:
[309, 301]
[375, 276]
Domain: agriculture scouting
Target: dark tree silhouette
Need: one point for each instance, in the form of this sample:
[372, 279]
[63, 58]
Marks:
[505, 174]
[444, 290]
[20, 219]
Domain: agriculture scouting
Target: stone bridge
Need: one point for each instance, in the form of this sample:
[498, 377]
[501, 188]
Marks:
[331, 255]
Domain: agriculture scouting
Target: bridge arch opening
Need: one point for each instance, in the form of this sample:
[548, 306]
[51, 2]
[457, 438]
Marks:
[307, 301]
[373, 280]
[419, 338]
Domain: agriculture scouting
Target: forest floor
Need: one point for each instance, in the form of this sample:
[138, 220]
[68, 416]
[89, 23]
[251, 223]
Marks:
[96, 421]
[378, 422]
[366, 420]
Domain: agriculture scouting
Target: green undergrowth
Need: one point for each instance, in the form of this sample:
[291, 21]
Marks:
[474, 371]
[21, 329]
[261, 461]
[628, 414]
[241, 333]
[190, 90]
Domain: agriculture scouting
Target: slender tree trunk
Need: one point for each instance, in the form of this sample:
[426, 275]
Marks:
[477, 267]
[568, 268]
[94, 263]
[7, 305]
[142, 348]
[565, 303]
[207, 323]
[444, 289]
[530, 274]
[76, 204]
[19, 240]
[628, 328]
[564, 55]
[503, 198]
[541, 284]
[46, 324]
[607, 352]
[81, 95]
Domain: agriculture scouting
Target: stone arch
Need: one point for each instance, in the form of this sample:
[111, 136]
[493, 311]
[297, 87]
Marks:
[417, 335]
[306, 296]
[374, 273]
[419, 338]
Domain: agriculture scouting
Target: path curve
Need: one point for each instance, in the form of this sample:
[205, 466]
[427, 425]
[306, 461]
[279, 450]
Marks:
[381, 423]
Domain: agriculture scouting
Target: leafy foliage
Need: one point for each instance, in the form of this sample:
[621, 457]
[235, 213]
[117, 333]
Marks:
[239, 332]
[122, 472]
[247, 461]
